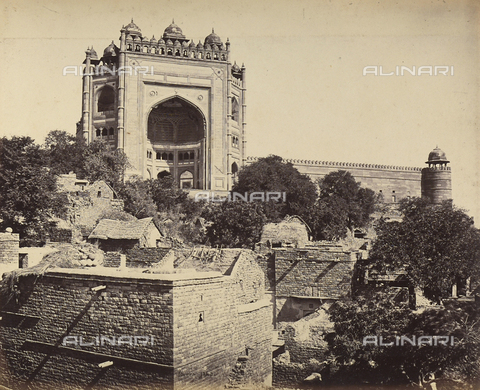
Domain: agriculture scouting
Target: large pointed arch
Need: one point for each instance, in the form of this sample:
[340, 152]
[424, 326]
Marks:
[175, 121]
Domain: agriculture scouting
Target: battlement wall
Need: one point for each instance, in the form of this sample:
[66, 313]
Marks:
[393, 182]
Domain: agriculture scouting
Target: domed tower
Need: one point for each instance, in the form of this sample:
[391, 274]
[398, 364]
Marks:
[175, 107]
[436, 179]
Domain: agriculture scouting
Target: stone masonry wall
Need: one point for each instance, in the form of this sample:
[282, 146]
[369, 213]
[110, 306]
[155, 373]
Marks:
[60, 304]
[145, 257]
[313, 273]
[200, 331]
[249, 280]
[9, 243]
[212, 334]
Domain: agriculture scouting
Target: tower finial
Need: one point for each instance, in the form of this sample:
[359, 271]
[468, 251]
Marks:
[132, 20]
[173, 21]
[213, 30]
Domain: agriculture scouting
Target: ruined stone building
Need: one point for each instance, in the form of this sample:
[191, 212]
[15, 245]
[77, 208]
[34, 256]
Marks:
[206, 324]
[87, 202]
[300, 275]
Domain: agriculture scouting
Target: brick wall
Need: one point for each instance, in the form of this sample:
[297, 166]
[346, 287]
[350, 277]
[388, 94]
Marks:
[187, 351]
[292, 375]
[249, 279]
[266, 261]
[313, 273]
[9, 243]
[212, 333]
[114, 259]
[62, 303]
[145, 257]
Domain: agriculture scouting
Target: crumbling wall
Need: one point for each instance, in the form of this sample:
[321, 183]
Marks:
[266, 261]
[290, 375]
[145, 257]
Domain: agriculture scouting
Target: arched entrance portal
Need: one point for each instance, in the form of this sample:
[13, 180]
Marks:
[176, 132]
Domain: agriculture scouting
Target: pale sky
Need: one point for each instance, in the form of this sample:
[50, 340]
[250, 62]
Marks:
[306, 95]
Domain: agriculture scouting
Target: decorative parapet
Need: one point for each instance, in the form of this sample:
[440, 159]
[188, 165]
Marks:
[346, 165]
[176, 49]
[437, 168]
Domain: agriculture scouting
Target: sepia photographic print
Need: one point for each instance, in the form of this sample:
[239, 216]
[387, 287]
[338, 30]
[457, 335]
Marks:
[221, 194]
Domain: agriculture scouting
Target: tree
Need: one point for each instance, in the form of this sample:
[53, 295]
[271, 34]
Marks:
[28, 197]
[101, 162]
[235, 224]
[273, 174]
[137, 196]
[64, 152]
[453, 366]
[166, 194]
[437, 245]
[342, 206]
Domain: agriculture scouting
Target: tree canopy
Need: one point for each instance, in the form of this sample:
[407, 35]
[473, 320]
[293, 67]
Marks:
[342, 206]
[64, 152]
[235, 224]
[437, 245]
[453, 366]
[273, 174]
[101, 162]
[28, 197]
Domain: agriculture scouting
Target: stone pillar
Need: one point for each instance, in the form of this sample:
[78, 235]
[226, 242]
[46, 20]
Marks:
[244, 117]
[86, 103]
[121, 93]
[9, 244]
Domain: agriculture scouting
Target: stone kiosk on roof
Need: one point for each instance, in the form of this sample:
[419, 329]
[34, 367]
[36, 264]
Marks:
[175, 107]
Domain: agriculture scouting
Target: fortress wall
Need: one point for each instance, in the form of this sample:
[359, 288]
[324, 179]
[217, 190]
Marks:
[405, 181]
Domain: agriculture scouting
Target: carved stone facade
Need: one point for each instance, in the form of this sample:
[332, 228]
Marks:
[173, 106]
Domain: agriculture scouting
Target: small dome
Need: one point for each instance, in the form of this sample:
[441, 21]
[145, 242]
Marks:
[437, 155]
[213, 39]
[111, 50]
[173, 32]
[153, 40]
[236, 71]
[132, 28]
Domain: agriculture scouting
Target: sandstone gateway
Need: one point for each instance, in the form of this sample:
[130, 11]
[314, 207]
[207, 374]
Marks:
[178, 108]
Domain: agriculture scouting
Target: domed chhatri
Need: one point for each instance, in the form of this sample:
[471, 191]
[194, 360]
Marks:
[132, 29]
[213, 39]
[111, 50]
[173, 32]
[437, 156]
